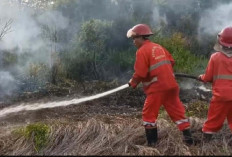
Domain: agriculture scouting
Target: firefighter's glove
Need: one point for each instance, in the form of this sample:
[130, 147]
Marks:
[132, 84]
[199, 78]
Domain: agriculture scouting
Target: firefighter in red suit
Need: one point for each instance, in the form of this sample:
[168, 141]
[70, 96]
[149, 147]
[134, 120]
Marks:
[219, 73]
[154, 69]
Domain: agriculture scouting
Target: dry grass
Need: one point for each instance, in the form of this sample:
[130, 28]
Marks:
[123, 136]
[109, 126]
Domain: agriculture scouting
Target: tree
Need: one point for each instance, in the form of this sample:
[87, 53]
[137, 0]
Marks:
[93, 37]
[6, 28]
[36, 4]
[51, 34]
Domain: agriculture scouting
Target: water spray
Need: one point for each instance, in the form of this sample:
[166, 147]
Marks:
[36, 106]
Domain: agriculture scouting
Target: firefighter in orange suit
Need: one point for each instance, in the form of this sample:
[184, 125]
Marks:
[219, 73]
[153, 68]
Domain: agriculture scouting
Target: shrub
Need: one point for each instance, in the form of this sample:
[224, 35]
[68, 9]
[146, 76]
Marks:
[185, 60]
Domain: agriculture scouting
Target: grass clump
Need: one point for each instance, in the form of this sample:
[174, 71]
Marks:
[197, 109]
[38, 132]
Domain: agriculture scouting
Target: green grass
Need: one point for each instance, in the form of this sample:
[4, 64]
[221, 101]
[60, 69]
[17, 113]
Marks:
[38, 132]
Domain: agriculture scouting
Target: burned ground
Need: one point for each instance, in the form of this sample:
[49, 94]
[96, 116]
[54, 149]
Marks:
[107, 126]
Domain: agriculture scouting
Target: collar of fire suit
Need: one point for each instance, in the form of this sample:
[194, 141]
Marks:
[217, 47]
[146, 41]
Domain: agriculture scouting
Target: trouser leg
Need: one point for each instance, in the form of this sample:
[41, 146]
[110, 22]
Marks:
[150, 113]
[151, 108]
[176, 111]
[217, 114]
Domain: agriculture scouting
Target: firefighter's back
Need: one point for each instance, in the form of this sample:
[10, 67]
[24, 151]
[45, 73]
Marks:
[160, 67]
[222, 76]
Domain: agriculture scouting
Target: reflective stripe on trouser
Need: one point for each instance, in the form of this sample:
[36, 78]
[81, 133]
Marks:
[224, 77]
[172, 104]
[217, 113]
[181, 121]
[149, 123]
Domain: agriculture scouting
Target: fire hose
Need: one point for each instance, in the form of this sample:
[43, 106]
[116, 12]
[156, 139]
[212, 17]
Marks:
[186, 76]
[37, 106]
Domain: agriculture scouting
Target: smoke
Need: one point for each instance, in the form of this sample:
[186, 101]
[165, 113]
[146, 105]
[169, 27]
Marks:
[187, 84]
[158, 19]
[214, 20]
[39, 33]
[8, 83]
[30, 32]
[26, 29]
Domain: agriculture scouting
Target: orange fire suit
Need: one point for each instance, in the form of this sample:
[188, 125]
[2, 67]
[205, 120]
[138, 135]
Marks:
[219, 72]
[153, 67]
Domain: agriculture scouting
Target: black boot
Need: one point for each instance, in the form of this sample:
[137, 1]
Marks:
[152, 135]
[188, 137]
[207, 137]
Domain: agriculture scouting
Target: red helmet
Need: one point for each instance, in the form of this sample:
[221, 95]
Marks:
[225, 37]
[139, 30]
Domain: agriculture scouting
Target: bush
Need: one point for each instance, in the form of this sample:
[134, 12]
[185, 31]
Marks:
[185, 61]
[35, 78]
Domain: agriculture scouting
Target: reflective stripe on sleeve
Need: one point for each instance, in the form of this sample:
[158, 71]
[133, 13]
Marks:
[148, 83]
[154, 66]
[224, 77]
[181, 121]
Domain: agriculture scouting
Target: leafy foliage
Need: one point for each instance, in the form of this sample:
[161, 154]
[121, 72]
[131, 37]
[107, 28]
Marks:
[185, 61]
[93, 45]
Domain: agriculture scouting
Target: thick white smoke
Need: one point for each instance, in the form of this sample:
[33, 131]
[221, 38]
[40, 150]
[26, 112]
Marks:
[25, 30]
[7, 83]
[214, 20]
[26, 35]
[158, 20]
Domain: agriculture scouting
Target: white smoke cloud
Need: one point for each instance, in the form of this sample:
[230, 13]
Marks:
[8, 84]
[214, 20]
[53, 18]
[25, 30]
[26, 35]
[187, 84]
[157, 18]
